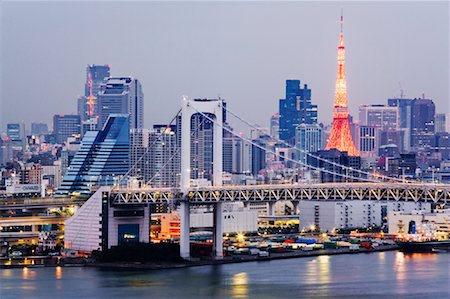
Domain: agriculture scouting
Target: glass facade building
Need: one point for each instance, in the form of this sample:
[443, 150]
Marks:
[101, 160]
[308, 139]
[65, 126]
[121, 95]
[295, 109]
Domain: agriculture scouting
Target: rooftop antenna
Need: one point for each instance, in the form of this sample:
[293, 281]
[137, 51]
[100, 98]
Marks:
[402, 94]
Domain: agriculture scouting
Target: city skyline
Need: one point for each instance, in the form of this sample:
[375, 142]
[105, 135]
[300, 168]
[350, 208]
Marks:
[245, 76]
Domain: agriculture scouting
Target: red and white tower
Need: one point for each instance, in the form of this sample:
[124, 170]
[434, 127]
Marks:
[340, 137]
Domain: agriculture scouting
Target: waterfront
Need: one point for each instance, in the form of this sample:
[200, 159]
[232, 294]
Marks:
[371, 275]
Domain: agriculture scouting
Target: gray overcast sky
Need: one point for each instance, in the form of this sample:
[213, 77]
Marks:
[242, 51]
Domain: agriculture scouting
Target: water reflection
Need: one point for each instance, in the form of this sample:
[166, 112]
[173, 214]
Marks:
[25, 273]
[58, 271]
[239, 285]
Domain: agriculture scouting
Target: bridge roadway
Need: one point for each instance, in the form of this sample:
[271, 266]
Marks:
[38, 203]
[437, 193]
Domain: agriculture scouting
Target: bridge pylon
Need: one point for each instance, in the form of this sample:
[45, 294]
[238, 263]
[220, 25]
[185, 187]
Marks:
[189, 107]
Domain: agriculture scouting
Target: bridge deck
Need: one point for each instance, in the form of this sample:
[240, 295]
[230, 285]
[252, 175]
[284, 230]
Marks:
[292, 192]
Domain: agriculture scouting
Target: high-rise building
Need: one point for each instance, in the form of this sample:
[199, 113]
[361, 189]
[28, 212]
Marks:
[379, 116]
[404, 120]
[440, 122]
[65, 126]
[368, 141]
[308, 139]
[341, 170]
[121, 95]
[295, 109]
[101, 160]
[340, 136]
[422, 123]
[447, 122]
[275, 126]
[241, 156]
[155, 156]
[39, 128]
[258, 158]
[14, 132]
[96, 75]
[441, 144]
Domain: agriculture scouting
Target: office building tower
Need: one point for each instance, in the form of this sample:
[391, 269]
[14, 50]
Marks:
[6, 151]
[422, 123]
[227, 157]
[380, 116]
[440, 122]
[336, 172]
[308, 139]
[405, 112]
[275, 126]
[441, 145]
[102, 159]
[241, 156]
[65, 126]
[96, 75]
[447, 122]
[155, 156]
[258, 156]
[39, 128]
[121, 95]
[14, 132]
[295, 109]
[368, 141]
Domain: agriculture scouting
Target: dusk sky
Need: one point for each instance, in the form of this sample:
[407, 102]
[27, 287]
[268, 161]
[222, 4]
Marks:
[240, 51]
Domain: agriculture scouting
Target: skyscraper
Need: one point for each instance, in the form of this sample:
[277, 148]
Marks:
[422, 123]
[14, 132]
[121, 95]
[340, 136]
[404, 109]
[65, 126]
[379, 116]
[295, 109]
[39, 128]
[336, 172]
[155, 156]
[368, 141]
[275, 126]
[308, 139]
[440, 122]
[102, 158]
[96, 75]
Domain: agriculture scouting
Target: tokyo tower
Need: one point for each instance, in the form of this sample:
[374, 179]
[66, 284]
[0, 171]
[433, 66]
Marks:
[340, 137]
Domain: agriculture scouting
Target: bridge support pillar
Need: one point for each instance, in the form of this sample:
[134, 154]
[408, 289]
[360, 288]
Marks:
[218, 231]
[185, 245]
[296, 207]
[270, 210]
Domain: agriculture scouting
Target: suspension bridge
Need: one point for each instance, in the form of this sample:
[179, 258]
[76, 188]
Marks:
[365, 186]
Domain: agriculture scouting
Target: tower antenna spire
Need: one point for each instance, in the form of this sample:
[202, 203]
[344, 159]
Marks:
[342, 20]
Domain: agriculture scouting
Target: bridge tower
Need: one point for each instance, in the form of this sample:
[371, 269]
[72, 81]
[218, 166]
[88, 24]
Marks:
[188, 109]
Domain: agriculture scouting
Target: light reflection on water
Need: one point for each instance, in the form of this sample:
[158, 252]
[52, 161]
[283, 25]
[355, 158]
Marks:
[375, 275]
[239, 285]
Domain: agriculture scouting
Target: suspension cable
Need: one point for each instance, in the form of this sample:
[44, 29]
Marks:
[127, 174]
[174, 154]
[286, 158]
[312, 155]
